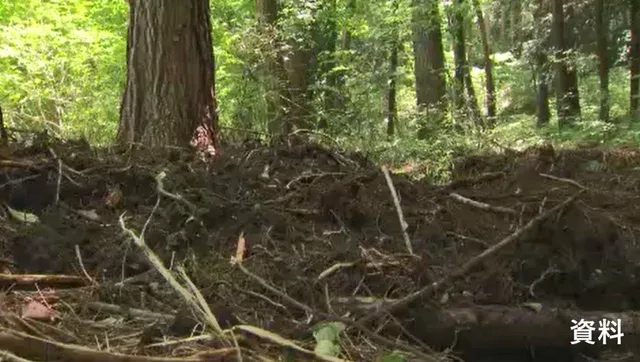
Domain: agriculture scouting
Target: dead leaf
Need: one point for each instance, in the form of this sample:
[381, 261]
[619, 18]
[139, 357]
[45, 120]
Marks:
[240, 249]
[89, 214]
[113, 198]
[38, 311]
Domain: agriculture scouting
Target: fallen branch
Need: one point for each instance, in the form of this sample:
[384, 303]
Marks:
[134, 312]
[10, 357]
[470, 265]
[565, 180]
[481, 205]
[43, 280]
[474, 180]
[18, 164]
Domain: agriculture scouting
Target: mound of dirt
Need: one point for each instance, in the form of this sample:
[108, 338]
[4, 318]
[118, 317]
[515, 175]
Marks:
[321, 227]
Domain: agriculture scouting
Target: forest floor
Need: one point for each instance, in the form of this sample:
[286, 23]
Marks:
[280, 239]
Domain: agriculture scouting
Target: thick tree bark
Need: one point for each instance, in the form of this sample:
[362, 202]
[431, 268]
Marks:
[602, 30]
[169, 96]
[488, 64]
[431, 84]
[565, 94]
[634, 58]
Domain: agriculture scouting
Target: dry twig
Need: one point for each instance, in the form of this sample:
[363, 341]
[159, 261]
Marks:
[396, 201]
[481, 205]
[471, 264]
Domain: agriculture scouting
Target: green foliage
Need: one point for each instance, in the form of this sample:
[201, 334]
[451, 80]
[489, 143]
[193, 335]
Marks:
[327, 336]
[393, 357]
[62, 67]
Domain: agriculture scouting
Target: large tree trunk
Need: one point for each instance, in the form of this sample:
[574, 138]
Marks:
[565, 98]
[488, 65]
[602, 30]
[429, 70]
[634, 58]
[170, 89]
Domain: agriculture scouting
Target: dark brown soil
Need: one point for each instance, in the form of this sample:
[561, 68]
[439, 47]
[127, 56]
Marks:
[303, 209]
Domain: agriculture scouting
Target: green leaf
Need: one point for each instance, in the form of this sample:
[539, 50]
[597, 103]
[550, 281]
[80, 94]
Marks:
[328, 331]
[393, 357]
[327, 348]
[23, 216]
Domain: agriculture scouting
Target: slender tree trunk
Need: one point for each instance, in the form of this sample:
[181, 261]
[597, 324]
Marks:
[327, 34]
[428, 53]
[634, 58]
[4, 136]
[345, 46]
[570, 24]
[471, 96]
[267, 14]
[169, 96]
[297, 65]
[543, 112]
[488, 64]
[504, 21]
[564, 97]
[462, 71]
[459, 56]
[516, 32]
[392, 112]
[602, 29]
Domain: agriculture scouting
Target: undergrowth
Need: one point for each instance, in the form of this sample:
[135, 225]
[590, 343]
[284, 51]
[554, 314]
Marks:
[62, 68]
